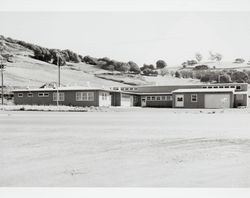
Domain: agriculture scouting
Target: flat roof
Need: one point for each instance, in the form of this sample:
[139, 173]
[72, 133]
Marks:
[158, 93]
[203, 90]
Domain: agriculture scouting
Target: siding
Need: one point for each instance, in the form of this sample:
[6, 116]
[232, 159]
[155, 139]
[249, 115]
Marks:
[201, 100]
[69, 98]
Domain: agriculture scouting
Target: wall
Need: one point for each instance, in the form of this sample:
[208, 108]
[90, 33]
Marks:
[201, 100]
[70, 99]
[169, 89]
[157, 103]
[240, 100]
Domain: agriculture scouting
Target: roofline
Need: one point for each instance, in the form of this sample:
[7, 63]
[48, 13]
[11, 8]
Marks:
[224, 90]
[214, 84]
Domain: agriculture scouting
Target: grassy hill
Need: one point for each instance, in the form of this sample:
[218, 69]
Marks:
[23, 70]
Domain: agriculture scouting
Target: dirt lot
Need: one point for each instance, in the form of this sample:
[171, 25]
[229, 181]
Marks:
[137, 147]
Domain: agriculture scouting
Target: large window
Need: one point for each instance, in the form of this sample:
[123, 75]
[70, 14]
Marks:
[60, 98]
[43, 94]
[194, 98]
[84, 96]
[169, 98]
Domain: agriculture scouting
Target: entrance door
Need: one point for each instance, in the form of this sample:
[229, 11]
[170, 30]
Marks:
[179, 100]
[143, 102]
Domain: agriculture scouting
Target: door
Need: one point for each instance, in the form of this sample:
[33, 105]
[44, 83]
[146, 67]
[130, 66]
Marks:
[217, 101]
[143, 102]
[179, 100]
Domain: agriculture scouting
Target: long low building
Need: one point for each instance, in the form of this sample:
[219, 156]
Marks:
[72, 96]
[179, 96]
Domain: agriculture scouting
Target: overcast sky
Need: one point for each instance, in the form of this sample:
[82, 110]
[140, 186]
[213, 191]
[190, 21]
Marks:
[143, 37]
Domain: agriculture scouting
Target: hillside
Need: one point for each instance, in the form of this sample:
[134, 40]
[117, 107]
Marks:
[23, 70]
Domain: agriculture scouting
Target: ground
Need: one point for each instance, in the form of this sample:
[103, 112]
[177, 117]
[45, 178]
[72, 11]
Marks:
[126, 147]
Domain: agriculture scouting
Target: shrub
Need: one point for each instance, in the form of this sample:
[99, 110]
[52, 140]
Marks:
[201, 67]
[224, 78]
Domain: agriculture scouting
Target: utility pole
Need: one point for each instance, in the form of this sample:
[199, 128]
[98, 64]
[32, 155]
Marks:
[58, 83]
[2, 69]
[2, 94]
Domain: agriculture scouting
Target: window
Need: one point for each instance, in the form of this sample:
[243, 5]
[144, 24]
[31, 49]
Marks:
[238, 87]
[126, 89]
[30, 94]
[210, 87]
[131, 89]
[226, 86]
[232, 86]
[84, 96]
[169, 98]
[60, 98]
[215, 86]
[220, 86]
[194, 98]
[104, 96]
[135, 89]
[148, 98]
[43, 94]
[158, 98]
[122, 89]
[153, 98]
[179, 99]
[164, 97]
[204, 87]
[20, 95]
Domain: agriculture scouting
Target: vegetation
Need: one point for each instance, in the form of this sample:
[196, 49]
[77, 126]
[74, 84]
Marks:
[161, 64]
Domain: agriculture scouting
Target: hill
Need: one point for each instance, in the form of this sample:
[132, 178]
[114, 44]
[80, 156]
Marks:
[24, 68]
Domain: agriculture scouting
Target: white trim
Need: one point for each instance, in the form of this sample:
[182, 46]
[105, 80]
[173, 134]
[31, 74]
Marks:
[30, 95]
[42, 94]
[196, 98]
[20, 95]
[85, 96]
[60, 98]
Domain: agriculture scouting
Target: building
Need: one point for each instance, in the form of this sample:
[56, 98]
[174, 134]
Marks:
[177, 96]
[72, 96]
[227, 95]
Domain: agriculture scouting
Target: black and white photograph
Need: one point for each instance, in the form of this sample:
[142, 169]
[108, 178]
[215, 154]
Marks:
[125, 95]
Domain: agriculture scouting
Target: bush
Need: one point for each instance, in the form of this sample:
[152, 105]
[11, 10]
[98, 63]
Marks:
[161, 64]
[224, 78]
[201, 67]
[90, 60]
[205, 78]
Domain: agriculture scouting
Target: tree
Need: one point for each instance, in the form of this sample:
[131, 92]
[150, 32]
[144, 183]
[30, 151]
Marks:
[160, 64]
[177, 74]
[198, 57]
[215, 56]
[239, 60]
[134, 67]
[240, 77]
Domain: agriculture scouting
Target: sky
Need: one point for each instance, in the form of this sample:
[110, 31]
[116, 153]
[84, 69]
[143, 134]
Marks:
[143, 37]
